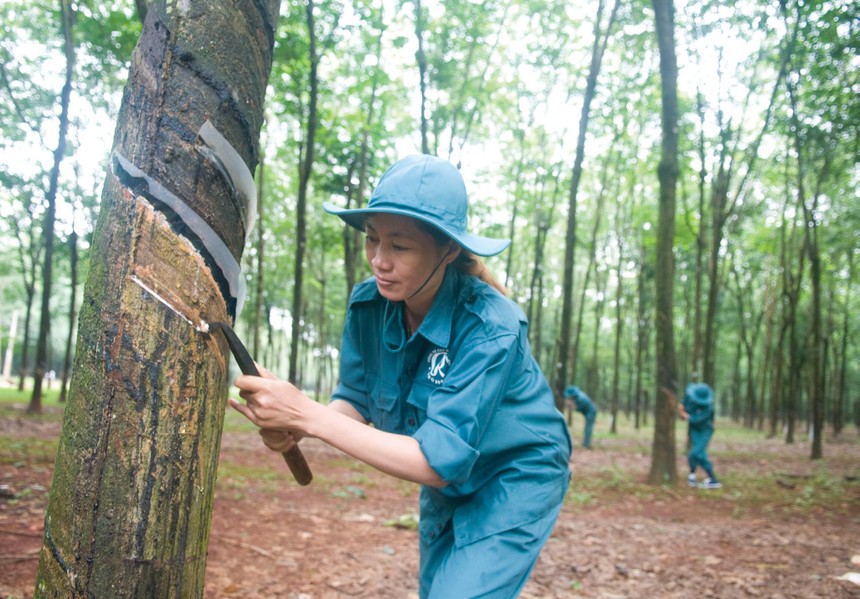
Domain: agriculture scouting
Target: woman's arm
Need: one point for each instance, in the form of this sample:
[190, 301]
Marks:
[273, 404]
[347, 409]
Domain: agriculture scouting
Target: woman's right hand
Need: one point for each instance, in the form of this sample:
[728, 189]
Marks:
[274, 404]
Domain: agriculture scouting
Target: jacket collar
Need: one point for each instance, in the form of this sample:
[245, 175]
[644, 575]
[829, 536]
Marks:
[436, 326]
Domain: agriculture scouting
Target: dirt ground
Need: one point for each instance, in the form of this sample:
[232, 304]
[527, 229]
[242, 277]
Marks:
[615, 538]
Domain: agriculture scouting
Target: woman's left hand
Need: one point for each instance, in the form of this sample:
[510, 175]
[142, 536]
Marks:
[279, 441]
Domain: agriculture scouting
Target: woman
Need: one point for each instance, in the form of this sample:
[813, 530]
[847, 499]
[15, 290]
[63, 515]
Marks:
[698, 410]
[437, 359]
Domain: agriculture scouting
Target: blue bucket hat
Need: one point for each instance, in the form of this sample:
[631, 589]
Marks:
[571, 390]
[429, 189]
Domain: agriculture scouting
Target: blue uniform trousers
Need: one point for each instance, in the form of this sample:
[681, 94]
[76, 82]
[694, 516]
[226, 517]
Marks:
[698, 454]
[495, 567]
[589, 427]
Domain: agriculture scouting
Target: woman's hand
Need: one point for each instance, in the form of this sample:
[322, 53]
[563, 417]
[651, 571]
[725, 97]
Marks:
[285, 414]
[275, 406]
[279, 441]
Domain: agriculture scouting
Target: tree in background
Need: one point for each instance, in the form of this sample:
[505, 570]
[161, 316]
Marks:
[305, 168]
[663, 447]
[601, 37]
[29, 253]
[67, 17]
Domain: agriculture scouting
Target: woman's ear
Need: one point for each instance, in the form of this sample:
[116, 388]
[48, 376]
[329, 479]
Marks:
[453, 251]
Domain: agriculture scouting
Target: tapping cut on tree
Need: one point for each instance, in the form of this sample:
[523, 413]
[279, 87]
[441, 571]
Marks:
[293, 456]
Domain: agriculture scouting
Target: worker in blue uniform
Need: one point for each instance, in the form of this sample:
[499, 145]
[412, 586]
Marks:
[586, 407]
[437, 359]
[698, 410]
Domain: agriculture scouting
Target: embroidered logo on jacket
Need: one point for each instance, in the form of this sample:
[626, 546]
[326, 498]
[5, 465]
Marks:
[439, 362]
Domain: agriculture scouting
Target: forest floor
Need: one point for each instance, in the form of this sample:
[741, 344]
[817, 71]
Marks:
[781, 527]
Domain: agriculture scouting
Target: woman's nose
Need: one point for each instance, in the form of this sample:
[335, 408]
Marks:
[380, 259]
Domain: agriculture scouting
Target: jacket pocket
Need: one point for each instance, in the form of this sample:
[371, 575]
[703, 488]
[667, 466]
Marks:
[384, 409]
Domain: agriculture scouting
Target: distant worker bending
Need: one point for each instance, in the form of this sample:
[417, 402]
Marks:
[698, 410]
[586, 407]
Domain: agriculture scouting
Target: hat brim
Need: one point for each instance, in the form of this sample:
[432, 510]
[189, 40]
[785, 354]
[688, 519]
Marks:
[482, 246]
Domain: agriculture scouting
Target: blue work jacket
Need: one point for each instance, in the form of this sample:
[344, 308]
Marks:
[699, 405]
[467, 388]
[584, 405]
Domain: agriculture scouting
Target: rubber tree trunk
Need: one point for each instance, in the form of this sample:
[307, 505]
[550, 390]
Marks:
[663, 448]
[131, 500]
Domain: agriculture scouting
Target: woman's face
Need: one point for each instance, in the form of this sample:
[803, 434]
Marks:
[402, 256]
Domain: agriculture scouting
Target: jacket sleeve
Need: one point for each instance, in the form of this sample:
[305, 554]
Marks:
[700, 414]
[460, 410]
[352, 386]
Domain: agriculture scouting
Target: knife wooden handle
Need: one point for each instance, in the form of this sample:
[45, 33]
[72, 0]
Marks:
[294, 457]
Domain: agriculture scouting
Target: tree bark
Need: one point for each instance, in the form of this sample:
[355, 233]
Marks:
[73, 308]
[543, 222]
[10, 348]
[512, 230]
[131, 500]
[792, 285]
[593, 379]
[592, 265]
[816, 358]
[663, 447]
[643, 329]
[842, 364]
[619, 319]
[701, 243]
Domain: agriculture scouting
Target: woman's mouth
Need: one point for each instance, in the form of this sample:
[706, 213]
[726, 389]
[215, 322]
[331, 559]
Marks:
[384, 283]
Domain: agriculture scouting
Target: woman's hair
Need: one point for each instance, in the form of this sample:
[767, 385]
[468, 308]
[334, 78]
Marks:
[467, 262]
[470, 264]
